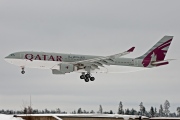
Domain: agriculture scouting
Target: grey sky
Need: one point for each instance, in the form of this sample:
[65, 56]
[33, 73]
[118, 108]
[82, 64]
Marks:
[95, 27]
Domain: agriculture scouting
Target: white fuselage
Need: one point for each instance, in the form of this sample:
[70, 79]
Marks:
[51, 60]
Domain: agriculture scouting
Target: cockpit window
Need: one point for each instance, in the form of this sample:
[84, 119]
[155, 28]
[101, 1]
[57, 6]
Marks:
[12, 54]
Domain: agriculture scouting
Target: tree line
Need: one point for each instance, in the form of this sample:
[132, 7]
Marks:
[162, 111]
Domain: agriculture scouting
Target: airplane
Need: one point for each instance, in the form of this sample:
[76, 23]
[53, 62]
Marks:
[61, 63]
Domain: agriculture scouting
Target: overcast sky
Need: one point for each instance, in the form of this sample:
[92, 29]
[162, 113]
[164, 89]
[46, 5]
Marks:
[94, 27]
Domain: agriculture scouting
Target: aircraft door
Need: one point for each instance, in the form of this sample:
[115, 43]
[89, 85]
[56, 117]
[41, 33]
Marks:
[22, 55]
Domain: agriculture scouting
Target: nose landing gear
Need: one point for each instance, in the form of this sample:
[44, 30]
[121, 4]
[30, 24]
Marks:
[22, 70]
[87, 77]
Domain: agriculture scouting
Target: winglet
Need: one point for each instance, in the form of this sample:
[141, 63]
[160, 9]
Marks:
[131, 49]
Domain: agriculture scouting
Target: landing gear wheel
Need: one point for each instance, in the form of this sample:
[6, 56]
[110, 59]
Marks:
[22, 72]
[87, 76]
[92, 78]
[86, 79]
[82, 77]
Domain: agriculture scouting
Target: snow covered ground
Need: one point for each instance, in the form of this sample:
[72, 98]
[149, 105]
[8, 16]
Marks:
[58, 116]
[8, 117]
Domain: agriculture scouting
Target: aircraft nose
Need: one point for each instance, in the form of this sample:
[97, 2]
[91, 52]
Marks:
[6, 57]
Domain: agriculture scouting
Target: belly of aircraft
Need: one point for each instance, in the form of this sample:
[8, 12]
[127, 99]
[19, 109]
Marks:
[34, 63]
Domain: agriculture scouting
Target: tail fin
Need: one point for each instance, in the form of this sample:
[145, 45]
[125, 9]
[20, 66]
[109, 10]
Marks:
[157, 52]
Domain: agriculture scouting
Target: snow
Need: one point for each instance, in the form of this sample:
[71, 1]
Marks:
[8, 117]
[125, 117]
[166, 118]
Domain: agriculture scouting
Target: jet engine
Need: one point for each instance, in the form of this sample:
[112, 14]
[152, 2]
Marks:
[64, 68]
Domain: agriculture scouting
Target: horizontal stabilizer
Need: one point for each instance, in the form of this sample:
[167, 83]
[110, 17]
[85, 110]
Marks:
[163, 62]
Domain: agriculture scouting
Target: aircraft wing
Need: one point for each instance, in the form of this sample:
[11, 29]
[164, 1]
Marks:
[100, 61]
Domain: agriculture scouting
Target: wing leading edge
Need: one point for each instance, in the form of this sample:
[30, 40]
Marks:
[100, 61]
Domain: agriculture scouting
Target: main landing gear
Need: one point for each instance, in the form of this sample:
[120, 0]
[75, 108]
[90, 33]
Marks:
[87, 77]
[22, 70]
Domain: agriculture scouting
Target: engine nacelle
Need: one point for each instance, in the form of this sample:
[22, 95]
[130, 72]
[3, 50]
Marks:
[64, 68]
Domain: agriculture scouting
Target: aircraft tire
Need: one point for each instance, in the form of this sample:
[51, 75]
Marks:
[82, 77]
[87, 76]
[92, 78]
[22, 72]
[86, 79]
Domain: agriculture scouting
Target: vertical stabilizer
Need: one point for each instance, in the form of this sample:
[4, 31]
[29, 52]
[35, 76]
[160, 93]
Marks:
[157, 52]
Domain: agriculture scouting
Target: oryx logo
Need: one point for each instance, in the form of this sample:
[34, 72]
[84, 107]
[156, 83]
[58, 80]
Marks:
[157, 54]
